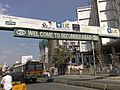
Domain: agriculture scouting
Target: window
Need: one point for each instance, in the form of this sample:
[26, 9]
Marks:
[30, 67]
[34, 66]
[18, 69]
[39, 67]
[73, 60]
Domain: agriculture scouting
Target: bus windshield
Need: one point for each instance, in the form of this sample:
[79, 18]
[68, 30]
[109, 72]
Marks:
[34, 66]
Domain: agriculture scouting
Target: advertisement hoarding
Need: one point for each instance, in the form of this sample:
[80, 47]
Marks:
[19, 22]
[108, 32]
[26, 58]
[101, 31]
[27, 23]
[89, 29]
[85, 46]
[64, 26]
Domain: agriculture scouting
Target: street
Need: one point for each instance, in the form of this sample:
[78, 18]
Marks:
[54, 86]
[106, 81]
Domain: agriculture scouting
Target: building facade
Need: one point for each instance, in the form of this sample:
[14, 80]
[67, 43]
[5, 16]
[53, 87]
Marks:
[84, 18]
[102, 13]
[107, 15]
[72, 45]
[117, 16]
[84, 15]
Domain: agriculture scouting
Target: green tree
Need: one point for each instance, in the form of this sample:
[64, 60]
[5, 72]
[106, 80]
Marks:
[61, 55]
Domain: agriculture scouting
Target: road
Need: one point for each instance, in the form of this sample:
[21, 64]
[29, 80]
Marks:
[54, 86]
[90, 79]
[116, 82]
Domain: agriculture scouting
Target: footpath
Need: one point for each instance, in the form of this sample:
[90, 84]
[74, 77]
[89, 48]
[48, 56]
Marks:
[102, 81]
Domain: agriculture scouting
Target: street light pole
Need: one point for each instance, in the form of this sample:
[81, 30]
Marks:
[93, 48]
[82, 59]
[81, 53]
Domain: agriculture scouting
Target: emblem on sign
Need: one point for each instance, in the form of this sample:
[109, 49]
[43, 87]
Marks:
[44, 25]
[10, 22]
[109, 30]
[58, 24]
[112, 30]
[21, 32]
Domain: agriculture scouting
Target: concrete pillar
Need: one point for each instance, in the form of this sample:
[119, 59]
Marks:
[113, 50]
[114, 57]
[100, 52]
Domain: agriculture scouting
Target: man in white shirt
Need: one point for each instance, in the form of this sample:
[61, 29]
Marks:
[7, 82]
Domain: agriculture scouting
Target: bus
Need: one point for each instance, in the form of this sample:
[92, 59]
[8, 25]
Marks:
[29, 71]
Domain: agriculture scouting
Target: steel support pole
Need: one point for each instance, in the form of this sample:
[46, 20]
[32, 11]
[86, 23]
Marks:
[93, 48]
[82, 59]
[81, 54]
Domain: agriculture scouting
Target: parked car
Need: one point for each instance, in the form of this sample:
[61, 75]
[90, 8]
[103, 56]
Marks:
[115, 71]
[46, 74]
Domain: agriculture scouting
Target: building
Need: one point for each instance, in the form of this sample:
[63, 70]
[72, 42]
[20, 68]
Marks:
[43, 47]
[108, 15]
[84, 18]
[71, 44]
[102, 13]
[117, 16]
[84, 15]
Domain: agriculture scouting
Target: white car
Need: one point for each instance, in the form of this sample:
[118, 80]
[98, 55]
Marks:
[46, 74]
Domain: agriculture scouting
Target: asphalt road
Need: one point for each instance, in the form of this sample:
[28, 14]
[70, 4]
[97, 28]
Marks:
[90, 79]
[106, 81]
[54, 86]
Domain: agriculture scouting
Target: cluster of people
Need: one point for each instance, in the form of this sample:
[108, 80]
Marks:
[6, 82]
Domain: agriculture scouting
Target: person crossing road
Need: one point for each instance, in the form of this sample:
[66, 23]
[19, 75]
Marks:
[6, 81]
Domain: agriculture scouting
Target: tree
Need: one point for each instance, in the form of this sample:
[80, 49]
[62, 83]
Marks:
[61, 55]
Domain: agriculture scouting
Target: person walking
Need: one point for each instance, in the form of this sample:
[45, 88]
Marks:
[81, 70]
[6, 81]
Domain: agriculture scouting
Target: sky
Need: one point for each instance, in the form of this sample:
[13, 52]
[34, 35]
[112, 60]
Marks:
[13, 48]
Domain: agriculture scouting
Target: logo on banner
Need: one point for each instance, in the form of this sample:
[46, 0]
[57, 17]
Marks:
[76, 27]
[66, 25]
[111, 30]
[63, 25]
[44, 25]
[21, 32]
[58, 24]
[10, 22]
[48, 25]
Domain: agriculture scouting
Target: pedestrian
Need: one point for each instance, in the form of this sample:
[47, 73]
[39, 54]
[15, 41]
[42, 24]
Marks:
[81, 70]
[6, 81]
[88, 67]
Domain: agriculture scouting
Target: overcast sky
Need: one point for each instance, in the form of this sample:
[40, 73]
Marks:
[12, 48]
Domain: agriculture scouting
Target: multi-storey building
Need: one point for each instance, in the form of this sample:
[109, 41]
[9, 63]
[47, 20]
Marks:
[117, 16]
[72, 45]
[84, 15]
[102, 13]
[108, 15]
[84, 18]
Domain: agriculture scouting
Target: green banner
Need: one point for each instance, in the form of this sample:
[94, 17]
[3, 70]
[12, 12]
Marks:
[59, 35]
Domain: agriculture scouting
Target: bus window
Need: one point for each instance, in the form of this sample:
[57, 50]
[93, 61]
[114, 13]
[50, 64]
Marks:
[18, 69]
[39, 66]
[30, 67]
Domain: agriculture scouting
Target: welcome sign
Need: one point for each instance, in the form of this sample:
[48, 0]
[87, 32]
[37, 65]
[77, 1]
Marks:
[59, 35]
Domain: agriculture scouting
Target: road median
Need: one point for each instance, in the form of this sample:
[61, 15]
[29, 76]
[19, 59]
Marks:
[101, 86]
